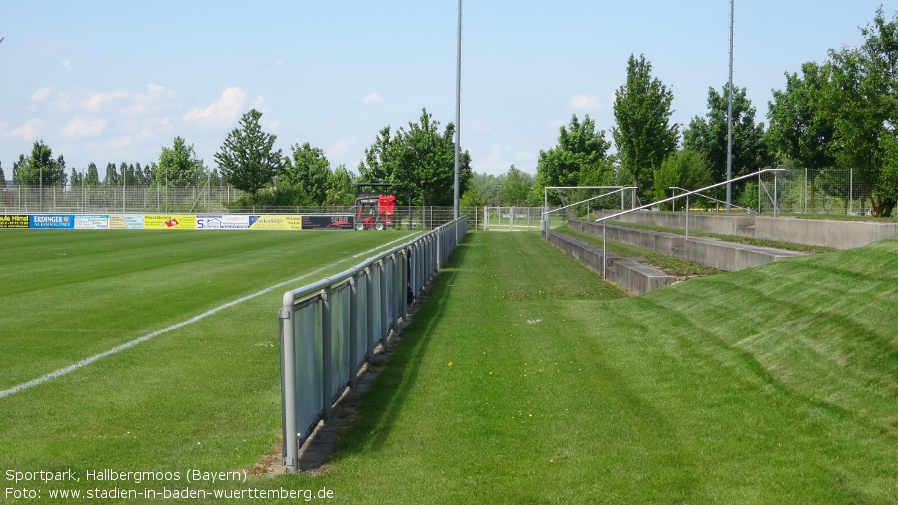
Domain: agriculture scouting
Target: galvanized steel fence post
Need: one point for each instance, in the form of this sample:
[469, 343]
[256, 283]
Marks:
[324, 325]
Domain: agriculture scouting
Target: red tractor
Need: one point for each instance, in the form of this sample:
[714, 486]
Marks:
[374, 211]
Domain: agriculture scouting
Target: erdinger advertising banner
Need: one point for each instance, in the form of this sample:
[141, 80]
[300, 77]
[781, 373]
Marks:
[223, 222]
[13, 221]
[275, 222]
[169, 222]
[325, 222]
[91, 222]
[52, 221]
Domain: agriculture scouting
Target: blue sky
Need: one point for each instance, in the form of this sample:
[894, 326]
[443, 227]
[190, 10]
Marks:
[115, 81]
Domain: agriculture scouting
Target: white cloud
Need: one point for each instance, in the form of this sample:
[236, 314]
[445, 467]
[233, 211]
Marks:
[80, 127]
[41, 94]
[558, 123]
[372, 98]
[95, 101]
[278, 63]
[585, 102]
[338, 149]
[149, 101]
[30, 130]
[67, 64]
[225, 110]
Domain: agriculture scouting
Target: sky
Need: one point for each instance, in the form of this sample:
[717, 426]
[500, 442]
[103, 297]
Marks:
[116, 81]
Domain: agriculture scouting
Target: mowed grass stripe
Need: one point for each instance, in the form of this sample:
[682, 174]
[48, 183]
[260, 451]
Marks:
[559, 393]
[59, 309]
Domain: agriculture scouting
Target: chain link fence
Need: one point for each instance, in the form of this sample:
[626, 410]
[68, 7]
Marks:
[105, 199]
[809, 191]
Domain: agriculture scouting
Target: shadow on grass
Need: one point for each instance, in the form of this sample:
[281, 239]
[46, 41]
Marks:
[381, 405]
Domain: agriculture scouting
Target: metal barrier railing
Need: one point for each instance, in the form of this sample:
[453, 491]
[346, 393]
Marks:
[329, 329]
[685, 195]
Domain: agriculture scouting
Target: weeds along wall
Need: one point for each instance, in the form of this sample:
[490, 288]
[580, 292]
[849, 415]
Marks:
[329, 329]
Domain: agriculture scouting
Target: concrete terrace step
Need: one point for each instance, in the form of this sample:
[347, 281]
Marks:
[712, 252]
[629, 273]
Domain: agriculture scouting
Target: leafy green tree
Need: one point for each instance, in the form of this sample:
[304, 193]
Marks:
[40, 169]
[799, 129]
[580, 149]
[472, 197]
[419, 161]
[340, 190]
[92, 178]
[247, 159]
[177, 165]
[2, 176]
[309, 170]
[112, 176]
[682, 169]
[708, 136]
[487, 186]
[643, 135]
[76, 178]
[515, 189]
[863, 106]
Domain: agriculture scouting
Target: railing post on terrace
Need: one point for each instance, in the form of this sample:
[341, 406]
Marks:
[353, 330]
[404, 271]
[384, 306]
[288, 394]
[369, 311]
[327, 348]
[687, 217]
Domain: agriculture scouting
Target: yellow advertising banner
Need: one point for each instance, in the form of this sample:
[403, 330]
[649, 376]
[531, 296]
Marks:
[275, 222]
[170, 222]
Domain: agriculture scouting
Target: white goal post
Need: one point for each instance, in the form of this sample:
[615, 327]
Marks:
[609, 191]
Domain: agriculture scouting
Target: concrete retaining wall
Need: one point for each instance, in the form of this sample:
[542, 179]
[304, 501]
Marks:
[627, 272]
[715, 253]
[819, 232]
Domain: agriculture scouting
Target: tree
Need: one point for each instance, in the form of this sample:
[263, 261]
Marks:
[799, 129]
[643, 135]
[472, 197]
[112, 176]
[177, 165]
[682, 169]
[40, 169]
[580, 149]
[77, 178]
[487, 190]
[862, 103]
[419, 161]
[92, 178]
[309, 170]
[247, 159]
[515, 189]
[709, 136]
[2, 176]
[339, 187]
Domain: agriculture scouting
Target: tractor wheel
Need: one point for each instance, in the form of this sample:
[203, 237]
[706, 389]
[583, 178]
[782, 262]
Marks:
[359, 225]
[379, 226]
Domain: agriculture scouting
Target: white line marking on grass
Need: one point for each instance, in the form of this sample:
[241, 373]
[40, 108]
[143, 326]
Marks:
[117, 349]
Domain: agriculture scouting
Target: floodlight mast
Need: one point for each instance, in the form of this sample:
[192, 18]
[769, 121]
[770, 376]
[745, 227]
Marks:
[457, 115]
[730, 115]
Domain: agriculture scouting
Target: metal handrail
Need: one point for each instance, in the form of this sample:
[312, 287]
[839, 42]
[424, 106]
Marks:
[686, 195]
[747, 209]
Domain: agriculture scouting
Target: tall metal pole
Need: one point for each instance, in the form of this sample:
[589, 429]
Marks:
[730, 115]
[457, 114]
